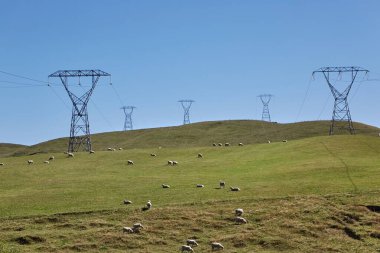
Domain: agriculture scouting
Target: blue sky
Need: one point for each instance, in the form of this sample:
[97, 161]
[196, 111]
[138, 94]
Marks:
[220, 53]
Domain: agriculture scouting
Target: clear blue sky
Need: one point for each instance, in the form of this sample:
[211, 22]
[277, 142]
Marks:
[220, 53]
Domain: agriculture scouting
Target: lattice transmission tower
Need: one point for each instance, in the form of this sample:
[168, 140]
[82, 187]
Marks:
[128, 110]
[265, 99]
[186, 104]
[341, 117]
[80, 127]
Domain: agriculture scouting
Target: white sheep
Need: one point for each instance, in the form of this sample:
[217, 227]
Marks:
[136, 227]
[165, 186]
[130, 162]
[234, 189]
[285, 141]
[192, 242]
[222, 184]
[170, 162]
[70, 155]
[200, 155]
[216, 246]
[227, 144]
[269, 141]
[153, 155]
[241, 144]
[149, 204]
[127, 202]
[51, 158]
[128, 230]
[200, 186]
[186, 248]
[240, 220]
[175, 163]
[214, 145]
[110, 149]
[220, 144]
[30, 162]
[239, 212]
[120, 148]
[92, 152]
[47, 162]
[2, 164]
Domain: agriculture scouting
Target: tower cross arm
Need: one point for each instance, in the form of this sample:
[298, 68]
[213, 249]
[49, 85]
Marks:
[75, 73]
[340, 69]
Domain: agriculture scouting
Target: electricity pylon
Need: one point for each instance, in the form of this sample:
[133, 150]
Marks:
[265, 99]
[186, 104]
[341, 113]
[128, 110]
[80, 127]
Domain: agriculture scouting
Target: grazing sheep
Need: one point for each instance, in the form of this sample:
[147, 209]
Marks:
[285, 141]
[120, 148]
[128, 230]
[220, 144]
[70, 155]
[30, 162]
[92, 152]
[241, 144]
[127, 202]
[216, 246]
[165, 186]
[240, 220]
[1, 164]
[175, 163]
[51, 158]
[239, 212]
[170, 162]
[186, 248]
[136, 227]
[214, 145]
[234, 189]
[154, 155]
[222, 184]
[192, 242]
[130, 162]
[226, 144]
[47, 162]
[269, 141]
[200, 186]
[110, 149]
[200, 155]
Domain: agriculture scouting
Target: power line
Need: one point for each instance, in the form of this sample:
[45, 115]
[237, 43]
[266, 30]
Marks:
[304, 98]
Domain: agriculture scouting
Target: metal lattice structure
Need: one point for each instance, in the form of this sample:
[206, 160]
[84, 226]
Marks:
[341, 117]
[265, 99]
[128, 110]
[186, 104]
[80, 127]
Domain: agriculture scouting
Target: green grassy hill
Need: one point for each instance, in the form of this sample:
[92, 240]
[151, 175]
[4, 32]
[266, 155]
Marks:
[7, 149]
[202, 135]
[307, 195]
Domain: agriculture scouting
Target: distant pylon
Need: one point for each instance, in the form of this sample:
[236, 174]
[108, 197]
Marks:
[186, 104]
[80, 127]
[128, 110]
[341, 112]
[265, 99]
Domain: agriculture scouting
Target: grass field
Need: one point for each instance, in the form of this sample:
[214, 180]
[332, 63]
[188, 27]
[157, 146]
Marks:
[201, 134]
[307, 195]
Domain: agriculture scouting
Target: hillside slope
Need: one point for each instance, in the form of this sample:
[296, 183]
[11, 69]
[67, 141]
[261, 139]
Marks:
[9, 148]
[202, 135]
[307, 195]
